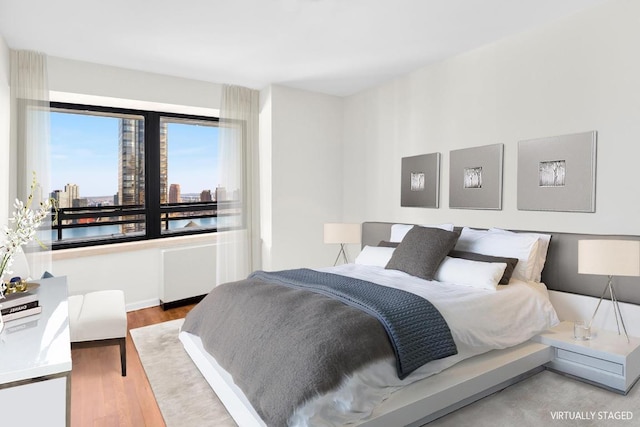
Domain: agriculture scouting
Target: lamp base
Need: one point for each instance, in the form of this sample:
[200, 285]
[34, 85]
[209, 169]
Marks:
[342, 253]
[616, 307]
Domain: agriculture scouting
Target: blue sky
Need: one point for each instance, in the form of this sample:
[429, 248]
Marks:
[193, 157]
[84, 151]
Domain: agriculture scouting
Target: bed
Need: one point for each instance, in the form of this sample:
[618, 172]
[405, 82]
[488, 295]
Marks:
[474, 279]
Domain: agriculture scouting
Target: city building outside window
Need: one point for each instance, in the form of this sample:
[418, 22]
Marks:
[121, 175]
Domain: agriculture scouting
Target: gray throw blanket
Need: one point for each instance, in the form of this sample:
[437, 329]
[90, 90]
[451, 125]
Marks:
[417, 330]
[283, 345]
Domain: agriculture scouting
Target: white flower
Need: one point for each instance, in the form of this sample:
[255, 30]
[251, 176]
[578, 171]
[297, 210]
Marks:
[25, 223]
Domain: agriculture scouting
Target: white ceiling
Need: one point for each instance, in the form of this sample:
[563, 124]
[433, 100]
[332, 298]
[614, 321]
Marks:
[337, 47]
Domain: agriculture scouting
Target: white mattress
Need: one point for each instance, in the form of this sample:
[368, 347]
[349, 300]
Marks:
[480, 320]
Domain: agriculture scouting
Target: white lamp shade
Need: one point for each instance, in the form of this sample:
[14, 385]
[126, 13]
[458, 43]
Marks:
[609, 257]
[342, 233]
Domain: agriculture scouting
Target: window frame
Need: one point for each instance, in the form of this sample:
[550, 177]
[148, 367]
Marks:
[153, 209]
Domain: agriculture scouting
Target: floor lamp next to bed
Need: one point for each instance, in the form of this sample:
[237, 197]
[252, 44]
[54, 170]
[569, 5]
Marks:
[609, 258]
[340, 233]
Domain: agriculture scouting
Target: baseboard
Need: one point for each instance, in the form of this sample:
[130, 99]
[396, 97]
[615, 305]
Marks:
[142, 304]
[181, 302]
[139, 305]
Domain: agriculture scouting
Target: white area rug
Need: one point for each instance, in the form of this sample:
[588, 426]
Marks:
[183, 395]
[551, 400]
[546, 399]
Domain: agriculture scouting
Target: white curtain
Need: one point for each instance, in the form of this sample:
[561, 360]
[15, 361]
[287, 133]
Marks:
[239, 245]
[30, 143]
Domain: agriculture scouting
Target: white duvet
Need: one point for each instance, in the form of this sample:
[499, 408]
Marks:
[480, 320]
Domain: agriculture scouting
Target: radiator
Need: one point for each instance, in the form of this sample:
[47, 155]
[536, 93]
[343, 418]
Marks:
[187, 273]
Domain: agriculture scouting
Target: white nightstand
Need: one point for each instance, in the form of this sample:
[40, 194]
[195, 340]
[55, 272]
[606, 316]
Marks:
[607, 360]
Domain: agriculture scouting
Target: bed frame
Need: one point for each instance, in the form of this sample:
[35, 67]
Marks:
[456, 386]
[415, 405]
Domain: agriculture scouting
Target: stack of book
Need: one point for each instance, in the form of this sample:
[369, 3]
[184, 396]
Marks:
[18, 305]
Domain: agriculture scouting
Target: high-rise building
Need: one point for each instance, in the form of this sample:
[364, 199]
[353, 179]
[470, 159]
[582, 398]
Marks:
[164, 181]
[62, 201]
[131, 181]
[131, 162]
[80, 203]
[174, 193]
[221, 194]
[205, 196]
[65, 198]
[62, 198]
[73, 192]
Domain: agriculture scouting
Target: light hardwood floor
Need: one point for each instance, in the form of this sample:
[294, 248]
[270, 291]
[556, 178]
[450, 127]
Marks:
[100, 396]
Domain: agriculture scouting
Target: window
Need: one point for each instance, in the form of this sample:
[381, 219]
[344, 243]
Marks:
[121, 175]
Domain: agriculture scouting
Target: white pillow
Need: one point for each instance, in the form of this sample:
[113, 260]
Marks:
[376, 256]
[481, 275]
[468, 237]
[511, 245]
[543, 248]
[398, 231]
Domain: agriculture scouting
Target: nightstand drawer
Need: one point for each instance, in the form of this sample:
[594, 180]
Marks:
[594, 362]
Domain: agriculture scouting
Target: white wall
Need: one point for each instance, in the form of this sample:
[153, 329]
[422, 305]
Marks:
[78, 77]
[5, 103]
[304, 188]
[265, 141]
[575, 75]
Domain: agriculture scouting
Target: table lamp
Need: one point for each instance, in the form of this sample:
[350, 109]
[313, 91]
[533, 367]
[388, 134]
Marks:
[343, 234]
[609, 258]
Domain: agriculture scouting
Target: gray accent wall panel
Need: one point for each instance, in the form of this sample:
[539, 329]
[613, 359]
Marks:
[561, 268]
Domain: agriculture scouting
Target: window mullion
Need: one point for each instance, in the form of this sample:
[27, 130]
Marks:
[152, 174]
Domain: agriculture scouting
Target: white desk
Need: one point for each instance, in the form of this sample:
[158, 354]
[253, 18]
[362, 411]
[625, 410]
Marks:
[35, 362]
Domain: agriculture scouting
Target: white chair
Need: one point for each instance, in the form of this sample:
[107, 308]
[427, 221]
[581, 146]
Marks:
[99, 319]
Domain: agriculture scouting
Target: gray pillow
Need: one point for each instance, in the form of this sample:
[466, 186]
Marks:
[511, 262]
[385, 244]
[422, 250]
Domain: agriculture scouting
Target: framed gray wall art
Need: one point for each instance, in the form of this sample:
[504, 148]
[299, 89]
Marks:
[558, 173]
[475, 177]
[420, 181]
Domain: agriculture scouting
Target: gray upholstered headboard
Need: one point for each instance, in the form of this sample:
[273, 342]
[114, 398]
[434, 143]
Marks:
[561, 268]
